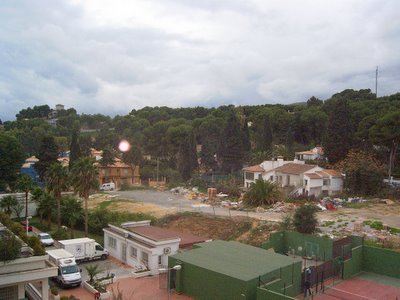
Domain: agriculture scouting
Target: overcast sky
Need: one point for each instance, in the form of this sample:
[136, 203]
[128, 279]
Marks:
[103, 56]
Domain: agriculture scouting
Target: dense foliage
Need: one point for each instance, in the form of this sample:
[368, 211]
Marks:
[305, 219]
[230, 136]
[263, 193]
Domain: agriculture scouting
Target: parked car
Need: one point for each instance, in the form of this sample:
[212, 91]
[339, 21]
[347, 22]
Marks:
[45, 239]
[23, 223]
[110, 186]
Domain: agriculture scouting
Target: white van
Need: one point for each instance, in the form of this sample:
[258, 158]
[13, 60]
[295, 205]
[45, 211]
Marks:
[110, 186]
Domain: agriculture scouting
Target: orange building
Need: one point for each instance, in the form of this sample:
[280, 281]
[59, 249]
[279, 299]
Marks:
[119, 173]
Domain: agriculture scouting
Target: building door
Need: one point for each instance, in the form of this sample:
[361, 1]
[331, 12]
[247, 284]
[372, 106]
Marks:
[123, 253]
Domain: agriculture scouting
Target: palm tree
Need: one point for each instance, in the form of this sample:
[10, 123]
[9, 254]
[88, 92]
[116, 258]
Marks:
[72, 211]
[84, 176]
[56, 179]
[25, 184]
[46, 206]
[7, 203]
[263, 193]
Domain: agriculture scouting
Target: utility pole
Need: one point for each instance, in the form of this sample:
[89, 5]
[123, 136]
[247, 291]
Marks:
[376, 82]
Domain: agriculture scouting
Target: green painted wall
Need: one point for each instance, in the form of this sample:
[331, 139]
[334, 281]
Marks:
[353, 265]
[381, 261]
[203, 284]
[300, 244]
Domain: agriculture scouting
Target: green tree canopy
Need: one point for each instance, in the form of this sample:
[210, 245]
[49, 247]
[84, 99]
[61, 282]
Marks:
[11, 159]
[48, 154]
[305, 219]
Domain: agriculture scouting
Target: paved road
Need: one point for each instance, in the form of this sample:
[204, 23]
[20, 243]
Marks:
[180, 203]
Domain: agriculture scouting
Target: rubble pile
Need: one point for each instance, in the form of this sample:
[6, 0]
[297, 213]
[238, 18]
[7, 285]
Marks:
[282, 207]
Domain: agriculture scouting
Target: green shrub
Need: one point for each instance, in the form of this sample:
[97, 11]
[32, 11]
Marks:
[60, 234]
[36, 245]
[10, 247]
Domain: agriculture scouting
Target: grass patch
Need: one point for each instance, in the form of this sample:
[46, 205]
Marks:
[328, 224]
[358, 205]
[35, 221]
[378, 225]
[104, 204]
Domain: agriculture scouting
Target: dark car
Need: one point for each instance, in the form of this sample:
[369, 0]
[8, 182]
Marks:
[23, 223]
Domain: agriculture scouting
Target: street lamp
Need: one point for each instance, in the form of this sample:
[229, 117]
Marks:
[176, 268]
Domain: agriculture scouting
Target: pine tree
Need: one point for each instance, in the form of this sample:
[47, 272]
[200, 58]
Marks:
[48, 154]
[231, 152]
[340, 132]
[75, 149]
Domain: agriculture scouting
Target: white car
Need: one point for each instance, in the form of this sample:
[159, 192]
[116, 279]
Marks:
[45, 239]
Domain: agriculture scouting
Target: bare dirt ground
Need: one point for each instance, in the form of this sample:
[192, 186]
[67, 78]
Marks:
[129, 205]
[387, 213]
[252, 229]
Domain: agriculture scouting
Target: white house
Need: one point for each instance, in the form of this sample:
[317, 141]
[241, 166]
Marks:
[299, 177]
[146, 247]
[314, 153]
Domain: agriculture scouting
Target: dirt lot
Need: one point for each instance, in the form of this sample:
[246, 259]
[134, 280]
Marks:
[253, 230]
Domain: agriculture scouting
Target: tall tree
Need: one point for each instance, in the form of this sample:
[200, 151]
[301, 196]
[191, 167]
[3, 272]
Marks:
[84, 175]
[48, 154]
[71, 213]
[11, 158]
[264, 134]
[364, 173]
[231, 152]
[386, 132]
[340, 131]
[56, 181]
[108, 156]
[7, 203]
[25, 184]
[75, 149]
[45, 207]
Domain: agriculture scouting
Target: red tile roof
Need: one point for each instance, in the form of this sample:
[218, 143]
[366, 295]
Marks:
[312, 175]
[295, 169]
[333, 173]
[161, 234]
[256, 168]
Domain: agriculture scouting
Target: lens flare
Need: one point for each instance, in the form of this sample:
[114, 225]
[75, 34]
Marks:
[124, 146]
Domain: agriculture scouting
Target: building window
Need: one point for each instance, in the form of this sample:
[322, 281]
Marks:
[133, 252]
[145, 258]
[103, 172]
[260, 177]
[305, 182]
[271, 178]
[112, 242]
[125, 171]
[159, 259]
[327, 182]
[249, 176]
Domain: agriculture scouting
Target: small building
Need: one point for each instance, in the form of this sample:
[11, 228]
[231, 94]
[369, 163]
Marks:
[232, 270]
[313, 154]
[146, 247]
[26, 274]
[119, 173]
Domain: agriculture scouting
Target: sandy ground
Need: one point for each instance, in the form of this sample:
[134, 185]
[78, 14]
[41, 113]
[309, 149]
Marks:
[388, 214]
[129, 205]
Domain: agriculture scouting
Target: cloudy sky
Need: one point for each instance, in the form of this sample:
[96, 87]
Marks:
[103, 56]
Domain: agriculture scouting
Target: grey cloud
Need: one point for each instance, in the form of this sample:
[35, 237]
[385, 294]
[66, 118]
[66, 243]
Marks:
[185, 53]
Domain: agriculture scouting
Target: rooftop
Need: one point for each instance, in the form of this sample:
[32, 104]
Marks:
[235, 259]
[256, 168]
[295, 169]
